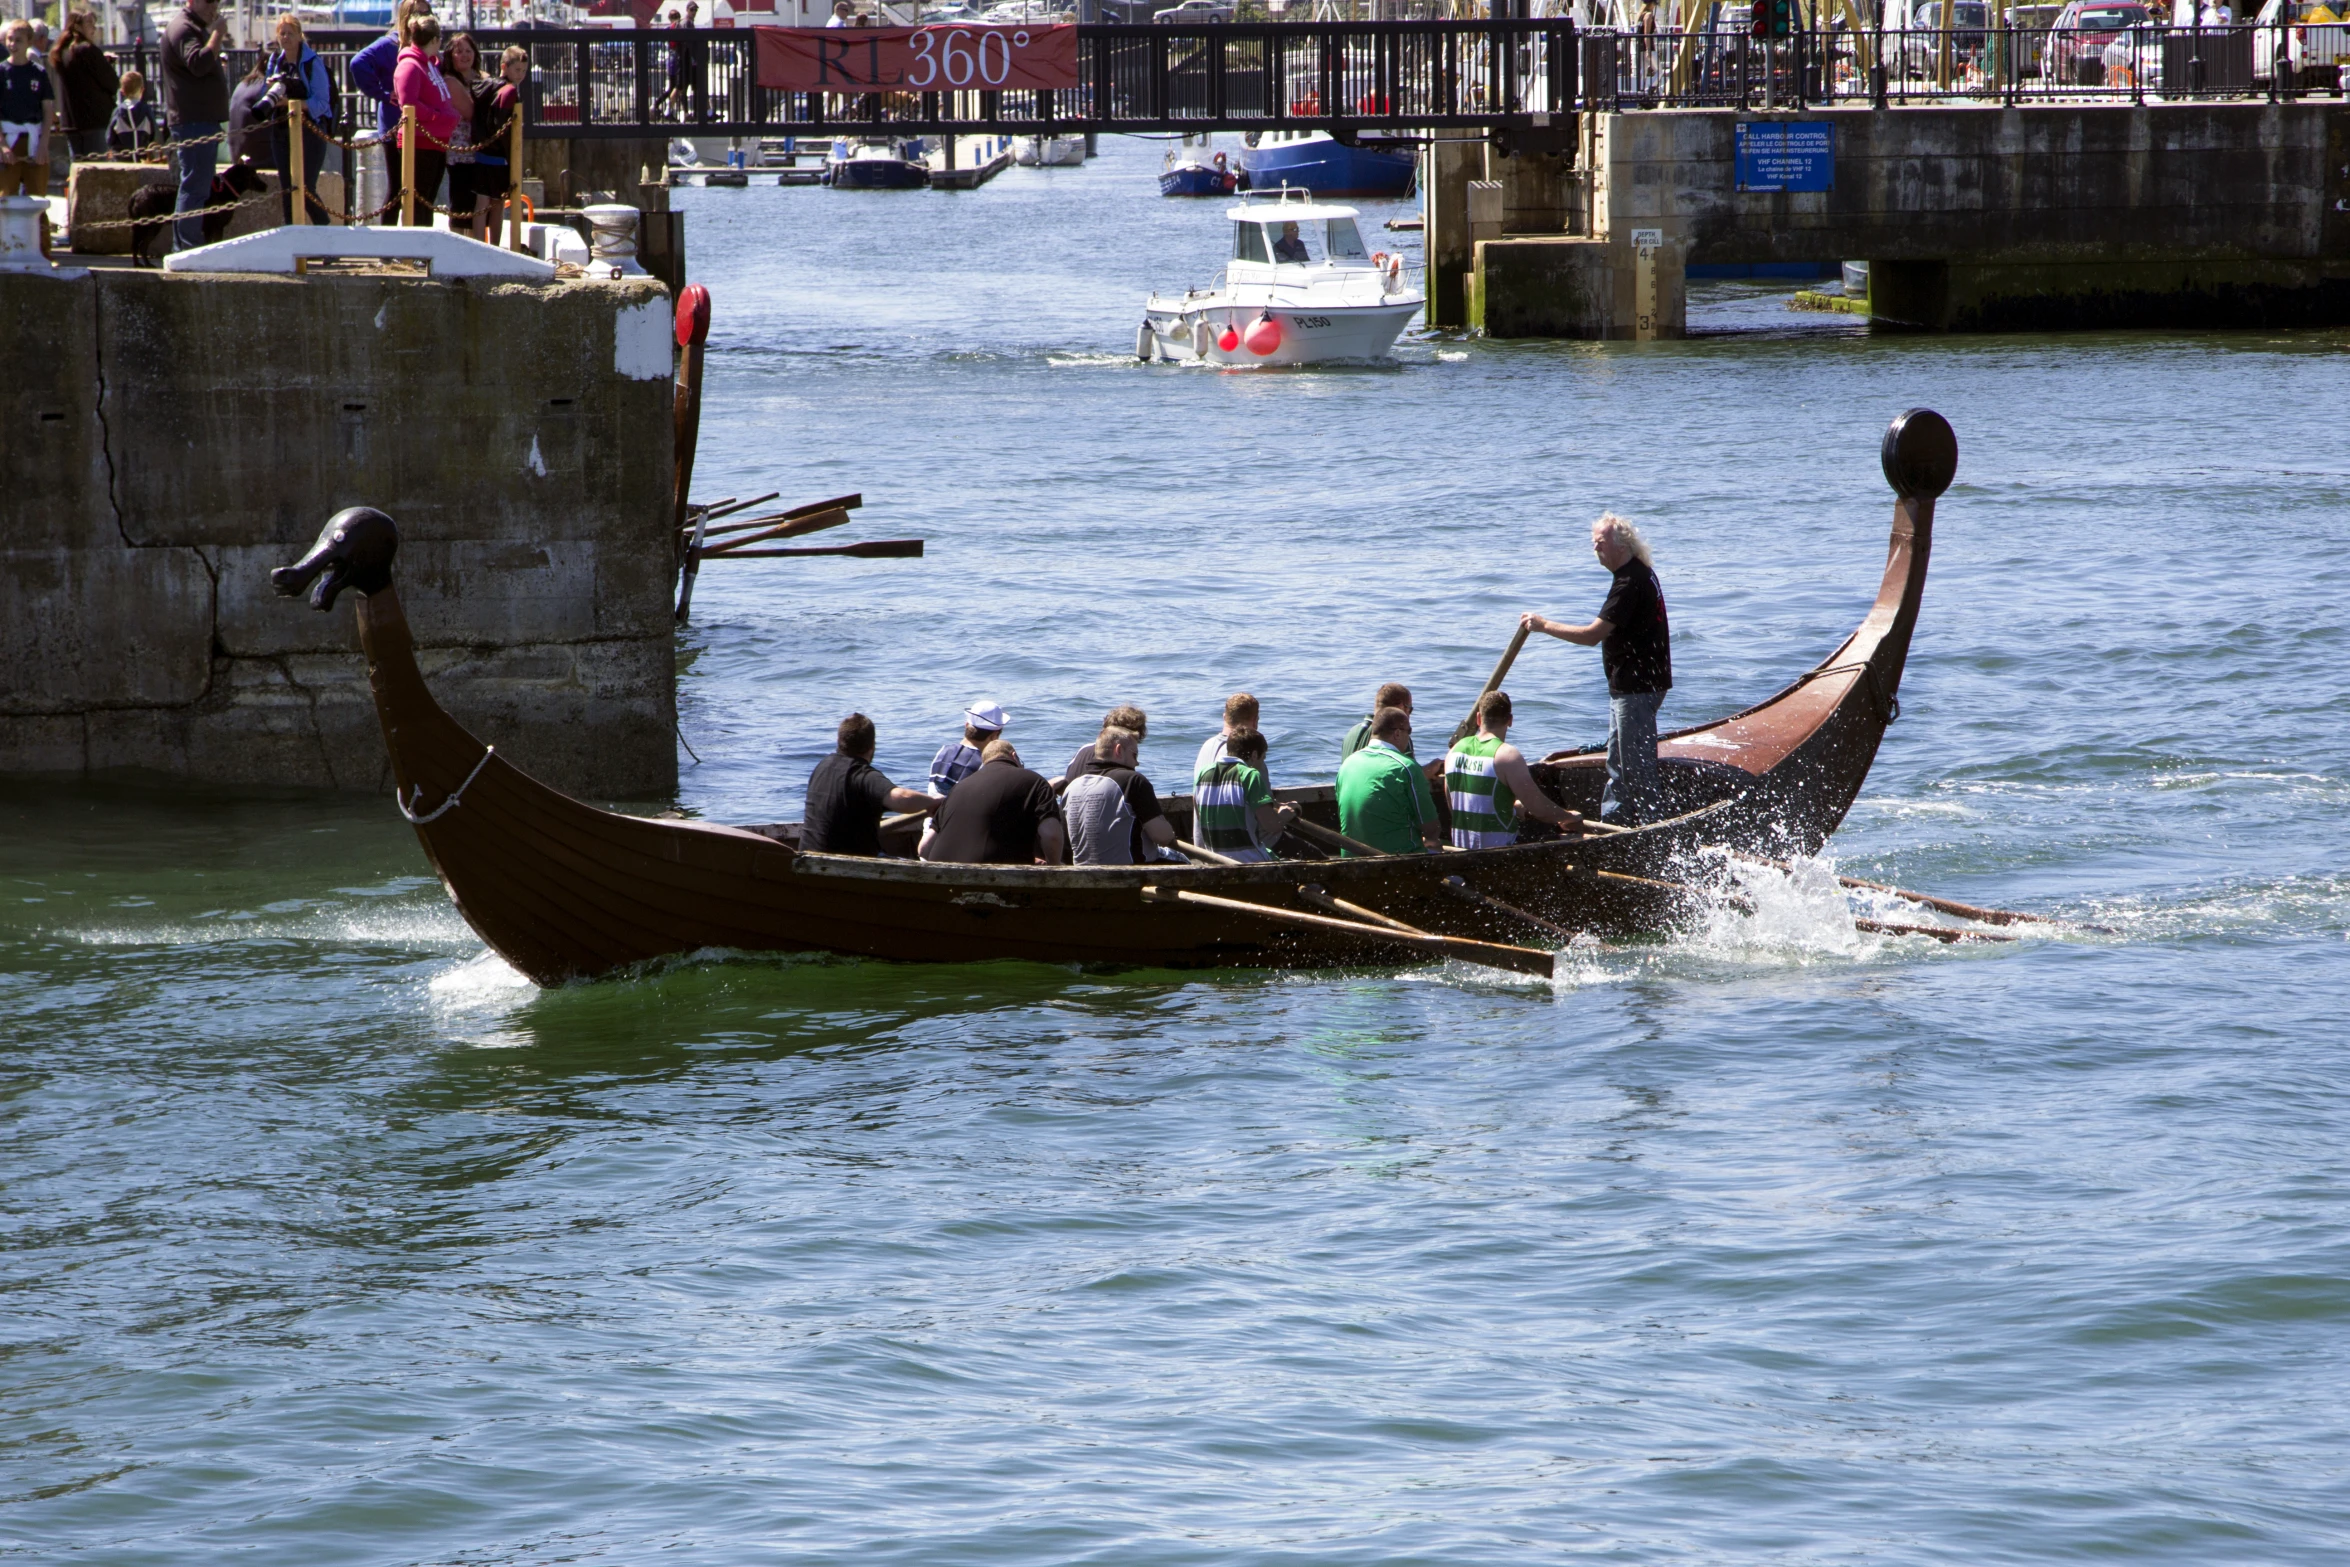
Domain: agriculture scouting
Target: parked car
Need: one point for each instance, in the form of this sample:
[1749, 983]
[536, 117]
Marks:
[2031, 23]
[1970, 25]
[1193, 12]
[2076, 44]
[2315, 49]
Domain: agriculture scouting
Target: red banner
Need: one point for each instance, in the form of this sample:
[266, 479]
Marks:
[916, 59]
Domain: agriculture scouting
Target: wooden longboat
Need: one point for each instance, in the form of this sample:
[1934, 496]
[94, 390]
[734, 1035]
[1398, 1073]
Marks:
[565, 891]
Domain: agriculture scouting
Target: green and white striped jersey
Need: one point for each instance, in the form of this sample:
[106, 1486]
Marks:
[1484, 810]
[1224, 802]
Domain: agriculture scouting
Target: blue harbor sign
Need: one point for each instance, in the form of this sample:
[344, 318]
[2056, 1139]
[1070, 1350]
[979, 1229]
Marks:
[1791, 155]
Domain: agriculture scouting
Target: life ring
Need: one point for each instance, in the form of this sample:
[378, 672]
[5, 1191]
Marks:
[1379, 259]
[1219, 160]
[1394, 270]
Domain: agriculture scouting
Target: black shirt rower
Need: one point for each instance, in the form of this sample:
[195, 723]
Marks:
[847, 795]
[1002, 814]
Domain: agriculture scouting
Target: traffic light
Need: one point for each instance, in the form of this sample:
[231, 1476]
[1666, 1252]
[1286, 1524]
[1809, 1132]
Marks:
[1774, 18]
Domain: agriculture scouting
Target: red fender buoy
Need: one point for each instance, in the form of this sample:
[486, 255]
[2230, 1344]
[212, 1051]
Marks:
[1264, 336]
[693, 315]
[1230, 340]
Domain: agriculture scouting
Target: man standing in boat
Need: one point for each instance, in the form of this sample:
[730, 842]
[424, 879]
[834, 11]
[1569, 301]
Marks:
[1636, 649]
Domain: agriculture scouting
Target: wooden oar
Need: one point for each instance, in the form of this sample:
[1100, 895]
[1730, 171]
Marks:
[1468, 725]
[729, 506]
[1490, 954]
[878, 549]
[1319, 896]
[815, 523]
[837, 503]
[1468, 894]
[1209, 855]
[1941, 933]
[1964, 911]
[1334, 840]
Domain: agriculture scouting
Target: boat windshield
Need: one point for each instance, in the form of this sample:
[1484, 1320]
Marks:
[1295, 240]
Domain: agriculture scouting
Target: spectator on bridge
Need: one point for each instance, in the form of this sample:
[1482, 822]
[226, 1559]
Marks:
[248, 128]
[298, 66]
[195, 108]
[461, 70]
[417, 84]
[86, 84]
[494, 108]
[132, 129]
[371, 72]
[28, 115]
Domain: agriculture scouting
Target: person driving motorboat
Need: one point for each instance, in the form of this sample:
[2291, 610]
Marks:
[1289, 247]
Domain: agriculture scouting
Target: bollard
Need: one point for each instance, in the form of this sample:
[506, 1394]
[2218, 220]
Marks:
[514, 180]
[298, 199]
[408, 165]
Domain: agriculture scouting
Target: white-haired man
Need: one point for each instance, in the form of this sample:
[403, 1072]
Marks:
[1636, 648]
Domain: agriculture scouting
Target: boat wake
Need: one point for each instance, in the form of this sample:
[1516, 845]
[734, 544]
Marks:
[408, 911]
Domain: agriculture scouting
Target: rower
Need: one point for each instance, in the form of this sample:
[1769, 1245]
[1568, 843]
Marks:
[847, 794]
[1390, 695]
[1383, 797]
[1003, 814]
[1113, 814]
[1240, 718]
[1233, 813]
[1487, 783]
[1636, 649]
[959, 759]
[1124, 716]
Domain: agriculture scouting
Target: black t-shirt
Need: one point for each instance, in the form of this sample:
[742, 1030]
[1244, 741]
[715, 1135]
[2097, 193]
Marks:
[992, 817]
[1638, 652]
[846, 796]
[1141, 798]
[1081, 763]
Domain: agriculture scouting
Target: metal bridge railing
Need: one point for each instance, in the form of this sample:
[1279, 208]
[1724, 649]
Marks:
[1396, 75]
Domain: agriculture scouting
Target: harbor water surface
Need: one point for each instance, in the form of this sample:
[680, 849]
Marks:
[329, 1240]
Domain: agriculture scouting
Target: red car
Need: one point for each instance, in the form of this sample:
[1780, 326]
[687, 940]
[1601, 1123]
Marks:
[2078, 36]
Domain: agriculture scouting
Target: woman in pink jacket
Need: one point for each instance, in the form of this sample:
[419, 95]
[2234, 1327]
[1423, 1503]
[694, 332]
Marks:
[416, 82]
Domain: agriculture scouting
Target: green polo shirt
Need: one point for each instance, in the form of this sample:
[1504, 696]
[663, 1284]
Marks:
[1383, 798]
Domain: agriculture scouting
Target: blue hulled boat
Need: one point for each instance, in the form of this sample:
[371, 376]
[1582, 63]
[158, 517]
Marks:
[1197, 170]
[1316, 161]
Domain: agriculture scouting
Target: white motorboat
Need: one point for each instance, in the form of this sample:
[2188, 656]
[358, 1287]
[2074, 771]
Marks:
[1301, 289]
[1051, 152]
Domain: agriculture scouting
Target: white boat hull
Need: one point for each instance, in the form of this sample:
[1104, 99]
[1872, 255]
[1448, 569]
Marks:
[1192, 332]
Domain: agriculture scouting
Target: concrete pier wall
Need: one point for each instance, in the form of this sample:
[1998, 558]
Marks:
[1990, 219]
[170, 438]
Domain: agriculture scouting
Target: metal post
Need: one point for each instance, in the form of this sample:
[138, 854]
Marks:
[408, 164]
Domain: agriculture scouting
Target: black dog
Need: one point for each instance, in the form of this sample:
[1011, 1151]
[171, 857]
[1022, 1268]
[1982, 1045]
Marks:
[151, 207]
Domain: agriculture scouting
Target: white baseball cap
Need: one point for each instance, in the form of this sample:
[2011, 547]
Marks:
[986, 715]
